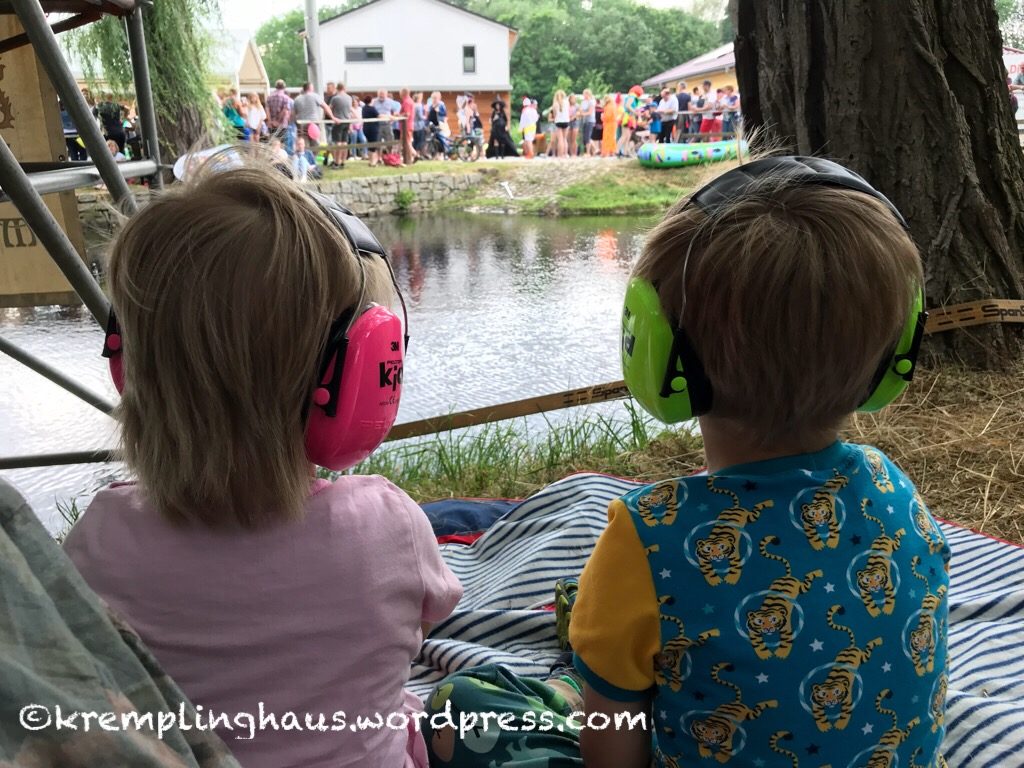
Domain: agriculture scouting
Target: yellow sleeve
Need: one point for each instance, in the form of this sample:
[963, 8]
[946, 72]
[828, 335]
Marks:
[615, 629]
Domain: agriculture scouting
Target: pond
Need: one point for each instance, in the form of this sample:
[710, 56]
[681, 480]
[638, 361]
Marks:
[500, 308]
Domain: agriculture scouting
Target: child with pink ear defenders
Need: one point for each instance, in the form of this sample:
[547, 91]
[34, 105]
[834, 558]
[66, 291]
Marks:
[258, 587]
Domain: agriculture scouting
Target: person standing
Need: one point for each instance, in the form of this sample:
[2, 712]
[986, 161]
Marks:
[109, 113]
[75, 150]
[372, 129]
[560, 117]
[696, 111]
[408, 110]
[572, 135]
[668, 109]
[731, 110]
[587, 120]
[683, 118]
[382, 105]
[609, 121]
[257, 118]
[279, 116]
[309, 107]
[341, 107]
[628, 119]
[437, 112]
[419, 123]
[528, 118]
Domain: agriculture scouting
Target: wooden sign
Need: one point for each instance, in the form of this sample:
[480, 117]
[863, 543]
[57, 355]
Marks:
[30, 124]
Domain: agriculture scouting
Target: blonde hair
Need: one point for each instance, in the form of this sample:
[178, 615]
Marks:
[791, 295]
[225, 288]
[559, 99]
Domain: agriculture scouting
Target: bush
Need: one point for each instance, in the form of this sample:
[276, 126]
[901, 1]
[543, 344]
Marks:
[404, 200]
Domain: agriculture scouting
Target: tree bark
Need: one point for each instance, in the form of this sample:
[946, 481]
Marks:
[912, 95]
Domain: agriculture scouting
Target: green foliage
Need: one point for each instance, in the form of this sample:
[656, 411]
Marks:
[178, 48]
[404, 199]
[281, 47]
[509, 460]
[604, 45]
[1011, 22]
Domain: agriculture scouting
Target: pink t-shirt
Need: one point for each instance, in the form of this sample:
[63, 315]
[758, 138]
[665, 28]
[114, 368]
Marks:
[316, 616]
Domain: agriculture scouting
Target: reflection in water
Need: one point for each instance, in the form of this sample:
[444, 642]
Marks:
[500, 308]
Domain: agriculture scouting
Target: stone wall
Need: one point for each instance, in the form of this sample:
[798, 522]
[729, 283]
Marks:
[377, 195]
[367, 196]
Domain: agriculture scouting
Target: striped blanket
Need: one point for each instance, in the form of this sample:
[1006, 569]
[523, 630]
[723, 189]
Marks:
[509, 573]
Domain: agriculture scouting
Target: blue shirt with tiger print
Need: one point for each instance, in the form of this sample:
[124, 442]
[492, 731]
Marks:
[797, 610]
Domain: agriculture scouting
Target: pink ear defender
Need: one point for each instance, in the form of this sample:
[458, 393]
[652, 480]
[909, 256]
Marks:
[354, 403]
[112, 351]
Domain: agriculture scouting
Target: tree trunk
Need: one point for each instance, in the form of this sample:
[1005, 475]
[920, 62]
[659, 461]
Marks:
[911, 95]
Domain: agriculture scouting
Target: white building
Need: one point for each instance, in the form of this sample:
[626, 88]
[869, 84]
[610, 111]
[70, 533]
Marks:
[423, 45]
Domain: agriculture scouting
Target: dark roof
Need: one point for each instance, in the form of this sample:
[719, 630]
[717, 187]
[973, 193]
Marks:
[443, 2]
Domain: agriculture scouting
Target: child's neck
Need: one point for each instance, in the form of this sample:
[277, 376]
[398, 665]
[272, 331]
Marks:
[727, 444]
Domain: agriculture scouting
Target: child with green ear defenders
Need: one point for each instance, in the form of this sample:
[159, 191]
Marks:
[792, 600]
[789, 604]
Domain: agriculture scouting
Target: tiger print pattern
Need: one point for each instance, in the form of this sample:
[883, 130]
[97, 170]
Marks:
[883, 753]
[773, 745]
[714, 733]
[660, 505]
[874, 580]
[822, 582]
[770, 627]
[922, 637]
[832, 700]
[718, 555]
[926, 526]
[818, 516]
[879, 474]
[668, 662]
[937, 705]
[940, 761]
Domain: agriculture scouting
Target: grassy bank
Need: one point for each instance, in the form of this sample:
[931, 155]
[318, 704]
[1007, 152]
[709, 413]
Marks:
[555, 187]
[956, 434]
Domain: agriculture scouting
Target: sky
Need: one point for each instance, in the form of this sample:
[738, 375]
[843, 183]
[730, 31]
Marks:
[250, 14]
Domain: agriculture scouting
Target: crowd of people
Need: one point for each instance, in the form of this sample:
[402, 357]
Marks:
[581, 125]
[117, 122]
[361, 126]
[338, 126]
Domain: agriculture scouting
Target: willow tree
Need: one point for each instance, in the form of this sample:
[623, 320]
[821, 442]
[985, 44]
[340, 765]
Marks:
[912, 95]
[179, 47]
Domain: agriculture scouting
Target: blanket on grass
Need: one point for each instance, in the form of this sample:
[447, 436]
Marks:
[509, 573]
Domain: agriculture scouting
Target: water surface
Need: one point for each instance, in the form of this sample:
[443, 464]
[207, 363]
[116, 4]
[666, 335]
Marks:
[500, 308]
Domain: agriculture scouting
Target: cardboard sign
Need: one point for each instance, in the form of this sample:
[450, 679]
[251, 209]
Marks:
[30, 124]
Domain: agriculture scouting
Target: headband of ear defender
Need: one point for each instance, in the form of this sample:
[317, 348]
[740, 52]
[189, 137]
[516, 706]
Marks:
[660, 364]
[358, 380]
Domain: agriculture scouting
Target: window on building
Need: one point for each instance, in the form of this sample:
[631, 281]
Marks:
[365, 53]
[469, 58]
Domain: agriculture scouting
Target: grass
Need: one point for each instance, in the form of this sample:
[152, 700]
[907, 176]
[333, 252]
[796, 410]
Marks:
[69, 513]
[508, 460]
[642, 190]
[956, 434]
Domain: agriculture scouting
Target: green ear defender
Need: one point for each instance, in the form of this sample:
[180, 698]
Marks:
[660, 365]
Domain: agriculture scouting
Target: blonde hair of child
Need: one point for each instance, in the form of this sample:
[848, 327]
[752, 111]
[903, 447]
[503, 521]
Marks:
[225, 288]
[791, 295]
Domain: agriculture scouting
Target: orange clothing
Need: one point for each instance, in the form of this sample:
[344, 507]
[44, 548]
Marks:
[609, 122]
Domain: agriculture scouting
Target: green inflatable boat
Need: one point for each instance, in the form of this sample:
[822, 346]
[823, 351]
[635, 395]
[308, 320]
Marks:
[677, 155]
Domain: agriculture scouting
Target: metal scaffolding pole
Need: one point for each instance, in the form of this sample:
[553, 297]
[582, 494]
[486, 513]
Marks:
[143, 90]
[57, 459]
[32, 18]
[30, 205]
[43, 368]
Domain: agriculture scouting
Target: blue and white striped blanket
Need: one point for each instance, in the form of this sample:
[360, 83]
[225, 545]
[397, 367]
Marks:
[512, 569]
